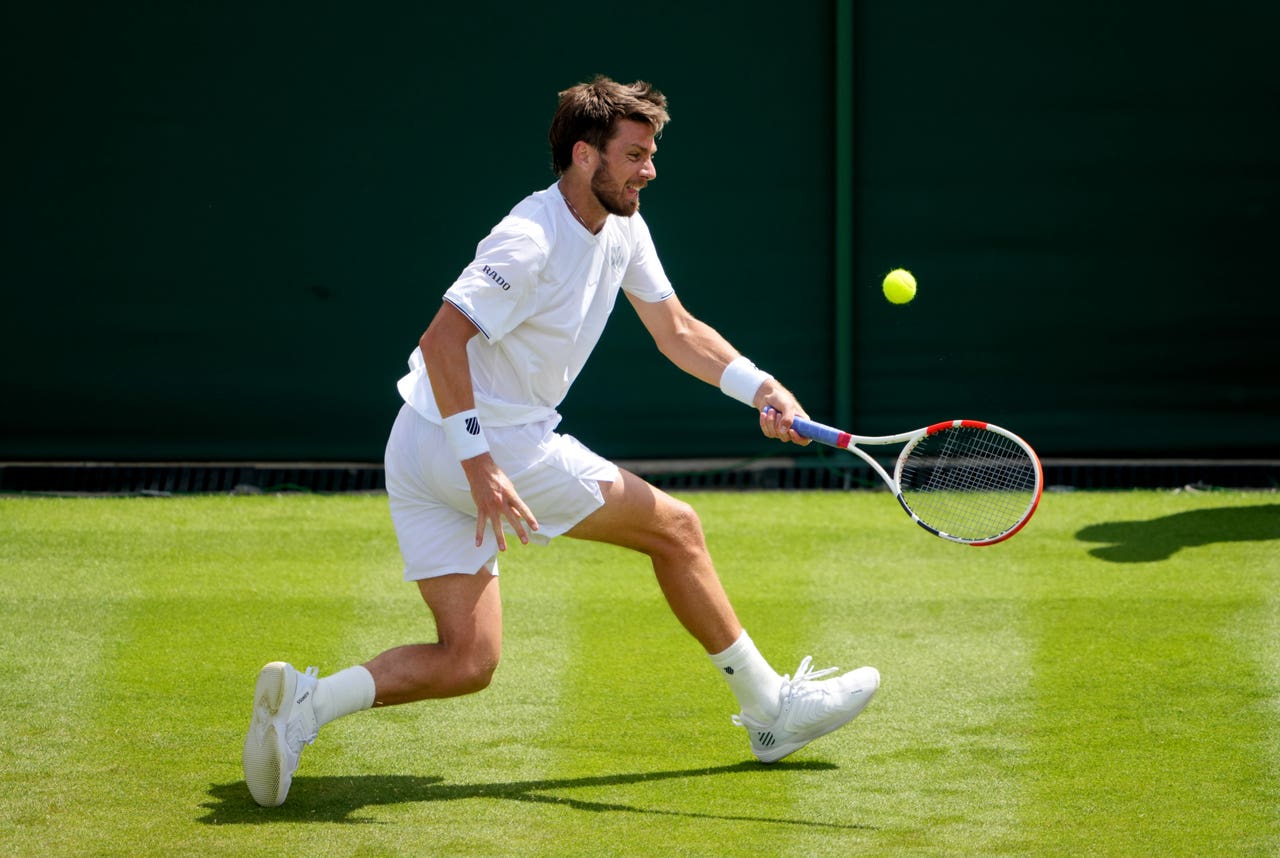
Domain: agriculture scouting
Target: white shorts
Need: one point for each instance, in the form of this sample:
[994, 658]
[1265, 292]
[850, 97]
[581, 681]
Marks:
[431, 506]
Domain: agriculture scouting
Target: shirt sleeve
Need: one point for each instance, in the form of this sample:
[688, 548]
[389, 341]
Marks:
[645, 279]
[497, 290]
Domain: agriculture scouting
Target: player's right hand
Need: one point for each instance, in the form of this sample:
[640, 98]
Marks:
[496, 500]
[778, 407]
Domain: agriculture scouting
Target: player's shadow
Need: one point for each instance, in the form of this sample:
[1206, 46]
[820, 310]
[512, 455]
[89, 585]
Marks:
[1161, 538]
[340, 799]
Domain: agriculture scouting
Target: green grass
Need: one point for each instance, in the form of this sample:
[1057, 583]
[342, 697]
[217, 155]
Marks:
[1107, 683]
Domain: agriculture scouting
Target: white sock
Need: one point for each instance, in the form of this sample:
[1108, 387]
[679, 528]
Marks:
[347, 691]
[750, 678]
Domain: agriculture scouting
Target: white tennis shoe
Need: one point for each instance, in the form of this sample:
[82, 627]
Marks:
[810, 709]
[284, 720]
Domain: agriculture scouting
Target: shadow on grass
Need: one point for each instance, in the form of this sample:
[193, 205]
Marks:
[340, 799]
[1161, 538]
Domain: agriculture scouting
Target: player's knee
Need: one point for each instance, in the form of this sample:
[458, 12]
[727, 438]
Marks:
[476, 677]
[683, 529]
[474, 669]
[461, 663]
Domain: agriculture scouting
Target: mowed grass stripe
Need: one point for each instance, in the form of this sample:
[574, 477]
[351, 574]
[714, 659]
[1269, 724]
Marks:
[635, 736]
[1264, 643]
[807, 581]
[648, 736]
[56, 624]
[810, 582]
[803, 570]
[182, 599]
[1152, 730]
[947, 723]
[426, 766]
[951, 725]
[51, 687]
[177, 593]
[1156, 697]
[476, 773]
[787, 563]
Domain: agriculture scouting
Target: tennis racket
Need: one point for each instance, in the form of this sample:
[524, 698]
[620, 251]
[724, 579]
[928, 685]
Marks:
[963, 480]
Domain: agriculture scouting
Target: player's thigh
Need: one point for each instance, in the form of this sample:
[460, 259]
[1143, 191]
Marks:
[467, 611]
[642, 517]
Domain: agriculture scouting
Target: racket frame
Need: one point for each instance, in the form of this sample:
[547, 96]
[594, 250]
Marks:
[834, 437]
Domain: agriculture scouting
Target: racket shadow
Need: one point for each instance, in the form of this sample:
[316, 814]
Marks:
[341, 799]
[1160, 538]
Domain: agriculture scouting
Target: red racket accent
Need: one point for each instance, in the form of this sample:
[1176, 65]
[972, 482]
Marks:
[954, 424]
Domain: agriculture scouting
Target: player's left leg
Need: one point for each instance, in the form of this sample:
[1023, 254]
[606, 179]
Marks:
[781, 714]
[641, 517]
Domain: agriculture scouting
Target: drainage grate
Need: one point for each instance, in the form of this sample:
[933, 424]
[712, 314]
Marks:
[846, 473]
[158, 478]
[773, 474]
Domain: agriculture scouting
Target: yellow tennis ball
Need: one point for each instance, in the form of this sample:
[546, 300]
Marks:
[899, 286]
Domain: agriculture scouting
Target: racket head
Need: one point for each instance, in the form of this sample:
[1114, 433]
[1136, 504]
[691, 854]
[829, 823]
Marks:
[969, 481]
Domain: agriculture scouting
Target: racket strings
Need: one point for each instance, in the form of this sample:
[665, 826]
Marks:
[969, 482]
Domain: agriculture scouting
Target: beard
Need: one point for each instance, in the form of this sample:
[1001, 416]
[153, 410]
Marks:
[613, 201]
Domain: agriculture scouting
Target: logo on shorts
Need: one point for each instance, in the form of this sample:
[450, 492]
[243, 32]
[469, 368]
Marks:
[473, 425]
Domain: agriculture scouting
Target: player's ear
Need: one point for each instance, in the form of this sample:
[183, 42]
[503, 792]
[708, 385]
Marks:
[583, 152]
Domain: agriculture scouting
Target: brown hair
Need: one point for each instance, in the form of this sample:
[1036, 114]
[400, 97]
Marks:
[590, 112]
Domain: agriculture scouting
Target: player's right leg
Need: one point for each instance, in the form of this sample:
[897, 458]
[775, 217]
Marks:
[468, 619]
[283, 722]
[437, 542]
[435, 524]
[290, 707]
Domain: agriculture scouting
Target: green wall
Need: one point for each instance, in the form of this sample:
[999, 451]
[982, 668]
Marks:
[1090, 195]
[225, 227]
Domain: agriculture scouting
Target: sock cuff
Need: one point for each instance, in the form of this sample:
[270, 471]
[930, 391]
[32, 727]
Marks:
[753, 682]
[736, 650]
[345, 692]
[360, 678]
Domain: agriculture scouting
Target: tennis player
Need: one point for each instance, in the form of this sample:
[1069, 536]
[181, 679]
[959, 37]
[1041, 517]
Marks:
[474, 457]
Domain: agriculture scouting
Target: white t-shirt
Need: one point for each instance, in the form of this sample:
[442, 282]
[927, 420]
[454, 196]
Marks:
[540, 290]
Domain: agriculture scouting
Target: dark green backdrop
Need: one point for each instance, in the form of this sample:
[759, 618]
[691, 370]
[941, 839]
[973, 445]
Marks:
[226, 226]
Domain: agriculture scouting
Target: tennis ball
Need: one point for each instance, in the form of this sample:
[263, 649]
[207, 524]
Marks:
[899, 286]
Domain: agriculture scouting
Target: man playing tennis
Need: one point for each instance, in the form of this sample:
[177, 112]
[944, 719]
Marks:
[474, 453]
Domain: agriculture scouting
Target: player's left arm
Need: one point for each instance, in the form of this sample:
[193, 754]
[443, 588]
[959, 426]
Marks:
[700, 350]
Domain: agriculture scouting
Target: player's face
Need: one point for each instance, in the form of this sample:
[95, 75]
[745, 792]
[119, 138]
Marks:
[626, 166]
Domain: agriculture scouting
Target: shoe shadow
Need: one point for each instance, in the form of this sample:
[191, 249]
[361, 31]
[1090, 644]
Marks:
[1161, 538]
[340, 799]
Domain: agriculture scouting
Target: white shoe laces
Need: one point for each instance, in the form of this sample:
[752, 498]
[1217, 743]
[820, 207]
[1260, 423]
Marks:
[805, 701]
[795, 692]
[804, 674]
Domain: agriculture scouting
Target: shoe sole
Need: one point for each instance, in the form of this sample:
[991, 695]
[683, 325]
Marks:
[263, 758]
[772, 755]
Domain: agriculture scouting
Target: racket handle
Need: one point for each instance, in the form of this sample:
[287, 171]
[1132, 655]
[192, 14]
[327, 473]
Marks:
[819, 432]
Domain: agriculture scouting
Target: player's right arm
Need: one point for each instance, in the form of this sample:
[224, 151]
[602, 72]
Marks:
[444, 349]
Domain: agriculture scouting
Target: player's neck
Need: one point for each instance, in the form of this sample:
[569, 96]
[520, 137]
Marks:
[583, 205]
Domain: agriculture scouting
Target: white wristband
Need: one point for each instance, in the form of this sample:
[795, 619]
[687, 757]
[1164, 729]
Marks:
[463, 432]
[742, 379]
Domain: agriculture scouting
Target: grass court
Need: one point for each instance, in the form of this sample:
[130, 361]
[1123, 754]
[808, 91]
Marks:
[1106, 683]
